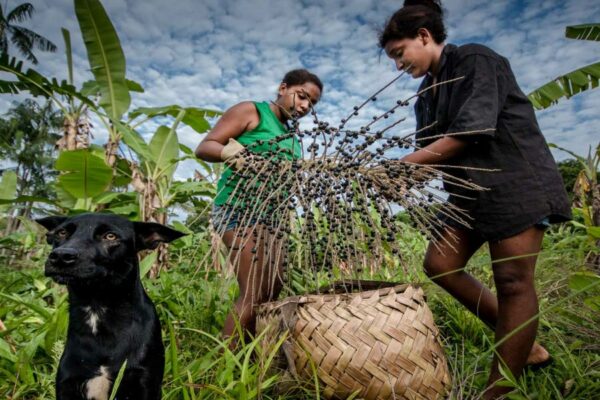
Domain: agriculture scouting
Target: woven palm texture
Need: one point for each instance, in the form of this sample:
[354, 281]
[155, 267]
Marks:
[380, 344]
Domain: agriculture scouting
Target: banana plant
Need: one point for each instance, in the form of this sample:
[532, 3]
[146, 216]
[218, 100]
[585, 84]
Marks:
[587, 199]
[107, 96]
[93, 178]
[81, 186]
[153, 173]
[574, 82]
[63, 94]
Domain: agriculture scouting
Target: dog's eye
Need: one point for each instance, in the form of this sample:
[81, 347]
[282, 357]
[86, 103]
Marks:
[110, 236]
[61, 233]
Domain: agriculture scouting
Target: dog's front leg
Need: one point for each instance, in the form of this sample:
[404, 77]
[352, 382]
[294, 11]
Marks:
[95, 387]
[70, 389]
[139, 385]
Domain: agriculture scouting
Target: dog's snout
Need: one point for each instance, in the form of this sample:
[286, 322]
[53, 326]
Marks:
[64, 256]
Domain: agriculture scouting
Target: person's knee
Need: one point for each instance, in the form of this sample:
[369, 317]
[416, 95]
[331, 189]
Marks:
[512, 282]
[430, 269]
[435, 267]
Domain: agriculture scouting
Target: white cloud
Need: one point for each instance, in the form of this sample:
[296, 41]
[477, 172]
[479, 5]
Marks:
[214, 53]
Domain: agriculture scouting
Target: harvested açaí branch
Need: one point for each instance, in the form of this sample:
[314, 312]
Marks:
[338, 205]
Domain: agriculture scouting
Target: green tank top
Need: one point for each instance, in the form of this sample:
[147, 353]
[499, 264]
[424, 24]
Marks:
[257, 141]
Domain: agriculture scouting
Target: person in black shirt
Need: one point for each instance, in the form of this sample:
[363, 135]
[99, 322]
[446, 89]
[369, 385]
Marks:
[525, 191]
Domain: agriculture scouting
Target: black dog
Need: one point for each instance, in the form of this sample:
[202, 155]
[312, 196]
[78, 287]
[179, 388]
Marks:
[111, 318]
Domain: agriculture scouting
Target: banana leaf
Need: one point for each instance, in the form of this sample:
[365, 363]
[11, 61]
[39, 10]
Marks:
[134, 140]
[105, 55]
[584, 32]
[164, 147]
[194, 117]
[67, 38]
[35, 83]
[91, 87]
[575, 81]
[566, 86]
[84, 174]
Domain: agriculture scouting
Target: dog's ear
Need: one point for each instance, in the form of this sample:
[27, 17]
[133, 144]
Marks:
[51, 222]
[148, 235]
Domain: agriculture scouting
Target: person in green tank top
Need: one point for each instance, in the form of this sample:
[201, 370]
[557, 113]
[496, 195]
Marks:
[244, 132]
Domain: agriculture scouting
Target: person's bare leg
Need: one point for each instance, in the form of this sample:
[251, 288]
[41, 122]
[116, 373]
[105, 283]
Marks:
[265, 282]
[514, 265]
[258, 279]
[444, 265]
[241, 258]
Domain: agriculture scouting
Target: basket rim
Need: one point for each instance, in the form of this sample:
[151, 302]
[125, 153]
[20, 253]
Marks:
[346, 286]
[314, 297]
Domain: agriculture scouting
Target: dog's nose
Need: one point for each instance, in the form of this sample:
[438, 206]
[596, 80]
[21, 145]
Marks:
[66, 256]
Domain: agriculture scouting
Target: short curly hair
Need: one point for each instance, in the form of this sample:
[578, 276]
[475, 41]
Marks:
[300, 77]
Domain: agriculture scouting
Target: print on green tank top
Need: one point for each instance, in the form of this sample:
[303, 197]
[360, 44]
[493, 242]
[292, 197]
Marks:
[267, 129]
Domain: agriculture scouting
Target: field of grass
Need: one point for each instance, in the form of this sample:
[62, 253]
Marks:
[192, 303]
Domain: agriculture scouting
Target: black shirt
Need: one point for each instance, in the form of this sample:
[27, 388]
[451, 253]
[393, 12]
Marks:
[527, 186]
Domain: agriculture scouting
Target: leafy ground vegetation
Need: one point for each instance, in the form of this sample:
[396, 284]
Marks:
[192, 304]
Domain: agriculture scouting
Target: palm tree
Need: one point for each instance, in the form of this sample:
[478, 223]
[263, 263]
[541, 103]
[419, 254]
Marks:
[24, 39]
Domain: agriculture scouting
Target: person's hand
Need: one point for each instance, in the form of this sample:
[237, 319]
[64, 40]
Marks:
[233, 155]
[412, 175]
[421, 174]
[417, 173]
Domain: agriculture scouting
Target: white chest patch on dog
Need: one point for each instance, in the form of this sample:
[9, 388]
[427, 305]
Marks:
[97, 388]
[93, 317]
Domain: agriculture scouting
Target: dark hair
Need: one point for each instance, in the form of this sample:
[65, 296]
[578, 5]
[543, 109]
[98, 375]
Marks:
[416, 14]
[300, 77]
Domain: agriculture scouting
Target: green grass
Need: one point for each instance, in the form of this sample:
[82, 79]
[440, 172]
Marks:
[193, 302]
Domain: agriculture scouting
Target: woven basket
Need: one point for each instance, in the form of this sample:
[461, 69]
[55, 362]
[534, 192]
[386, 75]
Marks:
[381, 343]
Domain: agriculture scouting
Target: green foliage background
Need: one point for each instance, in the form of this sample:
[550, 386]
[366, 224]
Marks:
[192, 303]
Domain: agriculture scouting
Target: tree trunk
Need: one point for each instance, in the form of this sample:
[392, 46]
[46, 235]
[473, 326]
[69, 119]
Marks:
[76, 133]
[110, 153]
[153, 203]
[69, 139]
[150, 205]
[161, 263]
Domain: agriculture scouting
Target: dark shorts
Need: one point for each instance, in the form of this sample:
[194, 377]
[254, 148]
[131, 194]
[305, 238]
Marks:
[225, 219]
[543, 224]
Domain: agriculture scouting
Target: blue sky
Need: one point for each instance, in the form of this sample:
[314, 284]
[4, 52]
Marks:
[215, 53]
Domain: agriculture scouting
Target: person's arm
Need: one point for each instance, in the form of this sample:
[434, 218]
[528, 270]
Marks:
[437, 152]
[235, 121]
[475, 103]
